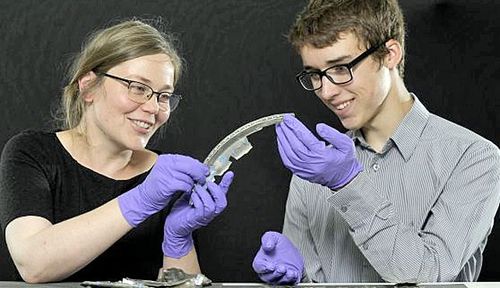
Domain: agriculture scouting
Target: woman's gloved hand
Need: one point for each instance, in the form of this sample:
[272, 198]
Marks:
[208, 201]
[171, 173]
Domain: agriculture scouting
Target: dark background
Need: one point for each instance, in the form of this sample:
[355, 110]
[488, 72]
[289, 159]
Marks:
[240, 68]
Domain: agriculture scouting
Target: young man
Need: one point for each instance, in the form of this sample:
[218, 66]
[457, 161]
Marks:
[404, 196]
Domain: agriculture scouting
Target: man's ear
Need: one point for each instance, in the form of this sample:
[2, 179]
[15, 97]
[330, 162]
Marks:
[84, 83]
[395, 55]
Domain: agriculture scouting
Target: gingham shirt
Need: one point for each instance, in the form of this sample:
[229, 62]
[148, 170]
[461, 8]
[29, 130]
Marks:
[420, 211]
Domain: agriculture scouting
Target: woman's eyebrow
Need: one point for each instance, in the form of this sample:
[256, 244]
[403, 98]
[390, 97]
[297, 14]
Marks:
[147, 81]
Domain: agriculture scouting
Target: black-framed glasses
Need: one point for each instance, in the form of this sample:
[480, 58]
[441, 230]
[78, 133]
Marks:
[141, 93]
[337, 74]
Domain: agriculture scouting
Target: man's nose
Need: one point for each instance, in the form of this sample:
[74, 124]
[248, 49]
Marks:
[328, 89]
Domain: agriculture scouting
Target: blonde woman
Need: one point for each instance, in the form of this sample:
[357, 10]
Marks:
[88, 202]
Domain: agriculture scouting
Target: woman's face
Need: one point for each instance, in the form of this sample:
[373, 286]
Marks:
[113, 119]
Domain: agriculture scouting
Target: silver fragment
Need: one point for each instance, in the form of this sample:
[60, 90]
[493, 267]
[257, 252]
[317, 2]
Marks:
[236, 145]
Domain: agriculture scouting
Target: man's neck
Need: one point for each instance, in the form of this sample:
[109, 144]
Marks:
[395, 107]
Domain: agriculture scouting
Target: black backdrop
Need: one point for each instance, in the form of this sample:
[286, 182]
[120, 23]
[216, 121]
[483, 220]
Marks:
[240, 68]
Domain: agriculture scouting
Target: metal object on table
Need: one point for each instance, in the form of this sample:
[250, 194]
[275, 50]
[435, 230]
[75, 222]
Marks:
[236, 144]
[177, 278]
[171, 277]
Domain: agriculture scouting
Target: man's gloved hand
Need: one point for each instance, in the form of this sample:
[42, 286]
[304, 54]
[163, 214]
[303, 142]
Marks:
[278, 261]
[171, 173]
[208, 202]
[332, 166]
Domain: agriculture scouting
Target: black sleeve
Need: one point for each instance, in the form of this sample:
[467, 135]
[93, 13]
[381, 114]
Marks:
[24, 180]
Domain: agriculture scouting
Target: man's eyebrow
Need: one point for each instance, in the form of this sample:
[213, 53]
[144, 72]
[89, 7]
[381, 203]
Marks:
[337, 61]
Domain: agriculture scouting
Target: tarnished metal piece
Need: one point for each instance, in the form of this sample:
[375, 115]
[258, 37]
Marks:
[236, 144]
[171, 277]
[178, 278]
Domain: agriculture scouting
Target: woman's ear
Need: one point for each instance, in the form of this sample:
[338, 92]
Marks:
[84, 84]
[395, 55]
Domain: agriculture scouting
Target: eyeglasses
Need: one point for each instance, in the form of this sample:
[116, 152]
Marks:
[337, 74]
[141, 93]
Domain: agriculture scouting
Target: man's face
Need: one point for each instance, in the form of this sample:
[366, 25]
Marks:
[358, 102]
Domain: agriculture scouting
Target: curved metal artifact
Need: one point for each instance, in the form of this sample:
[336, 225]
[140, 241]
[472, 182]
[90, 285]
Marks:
[236, 144]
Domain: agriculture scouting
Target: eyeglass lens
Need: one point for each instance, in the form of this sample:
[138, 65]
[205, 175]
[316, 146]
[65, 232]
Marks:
[337, 75]
[141, 93]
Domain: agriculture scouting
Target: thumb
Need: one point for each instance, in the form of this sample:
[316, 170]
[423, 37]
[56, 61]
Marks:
[269, 241]
[338, 139]
[226, 181]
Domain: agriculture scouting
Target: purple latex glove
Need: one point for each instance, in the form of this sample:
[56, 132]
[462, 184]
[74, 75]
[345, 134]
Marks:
[208, 202]
[311, 159]
[171, 173]
[278, 261]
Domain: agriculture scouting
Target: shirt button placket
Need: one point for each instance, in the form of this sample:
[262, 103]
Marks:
[375, 164]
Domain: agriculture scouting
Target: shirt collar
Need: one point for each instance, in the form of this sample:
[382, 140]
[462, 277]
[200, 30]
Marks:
[408, 132]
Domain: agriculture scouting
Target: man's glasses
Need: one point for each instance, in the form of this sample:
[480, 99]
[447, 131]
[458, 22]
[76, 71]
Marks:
[337, 74]
[141, 93]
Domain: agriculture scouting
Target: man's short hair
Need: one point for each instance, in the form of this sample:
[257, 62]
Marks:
[321, 23]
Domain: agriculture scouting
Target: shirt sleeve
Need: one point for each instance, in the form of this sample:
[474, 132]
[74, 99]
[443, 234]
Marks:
[296, 228]
[24, 185]
[454, 229]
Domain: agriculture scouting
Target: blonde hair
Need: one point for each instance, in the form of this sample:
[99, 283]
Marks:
[372, 21]
[107, 48]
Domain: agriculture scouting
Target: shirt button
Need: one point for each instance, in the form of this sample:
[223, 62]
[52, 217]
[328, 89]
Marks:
[343, 208]
[365, 246]
[375, 167]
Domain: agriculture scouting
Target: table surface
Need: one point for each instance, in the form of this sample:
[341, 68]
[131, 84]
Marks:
[253, 285]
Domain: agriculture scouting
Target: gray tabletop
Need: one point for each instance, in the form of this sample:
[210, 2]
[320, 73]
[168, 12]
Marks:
[254, 285]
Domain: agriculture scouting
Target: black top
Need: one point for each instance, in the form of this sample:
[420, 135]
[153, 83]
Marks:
[39, 177]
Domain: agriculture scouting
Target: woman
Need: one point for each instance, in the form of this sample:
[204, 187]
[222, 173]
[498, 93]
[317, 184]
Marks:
[81, 203]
